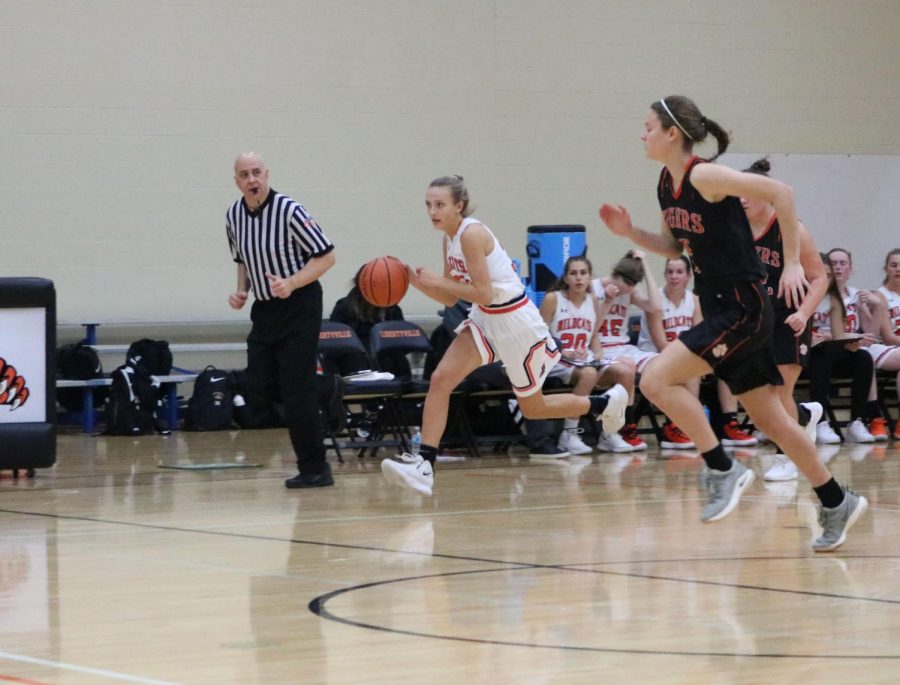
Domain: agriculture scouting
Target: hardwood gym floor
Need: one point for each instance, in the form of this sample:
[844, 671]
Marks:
[589, 570]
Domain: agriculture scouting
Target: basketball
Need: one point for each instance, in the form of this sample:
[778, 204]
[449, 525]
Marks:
[383, 281]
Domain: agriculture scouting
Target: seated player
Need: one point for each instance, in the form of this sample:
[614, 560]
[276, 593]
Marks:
[616, 293]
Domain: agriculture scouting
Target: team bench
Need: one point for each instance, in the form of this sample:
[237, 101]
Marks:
[170, 383]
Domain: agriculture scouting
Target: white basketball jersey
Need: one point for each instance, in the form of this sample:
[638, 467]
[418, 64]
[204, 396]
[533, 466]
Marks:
[851, 304]
[504, 280]
[614, 327]
[821, 318]
[893, 304]
[573, 325]
[675, 319]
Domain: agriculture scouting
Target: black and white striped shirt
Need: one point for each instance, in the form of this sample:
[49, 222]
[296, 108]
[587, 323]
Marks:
[279, 238]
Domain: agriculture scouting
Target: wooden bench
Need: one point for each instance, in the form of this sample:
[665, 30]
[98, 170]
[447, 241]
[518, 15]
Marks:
[169, 382]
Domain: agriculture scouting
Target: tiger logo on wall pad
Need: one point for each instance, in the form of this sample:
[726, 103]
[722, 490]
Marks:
[13, 387]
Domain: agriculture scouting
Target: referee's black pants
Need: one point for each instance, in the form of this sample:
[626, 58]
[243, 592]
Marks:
[281, 366]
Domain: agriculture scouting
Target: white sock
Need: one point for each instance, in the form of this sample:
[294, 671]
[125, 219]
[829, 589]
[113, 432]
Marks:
[569, 424]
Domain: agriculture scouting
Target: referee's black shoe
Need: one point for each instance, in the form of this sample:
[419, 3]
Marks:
[311, 480]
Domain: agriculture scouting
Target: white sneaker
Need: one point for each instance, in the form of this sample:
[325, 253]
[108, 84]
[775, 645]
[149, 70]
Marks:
[613, 442]
[825, 434]
[783, 469]
[815, 415]
[410, 472]
[571, 442]
[613, 417]
[857, 432]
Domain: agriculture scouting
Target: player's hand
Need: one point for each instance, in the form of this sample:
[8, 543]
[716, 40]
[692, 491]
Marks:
[617, 219]
[868, 339]
[238, 299]
[638, 254]
[281, 287]
[426, 277]
[611, 290]
[793, 285]
[797, 323]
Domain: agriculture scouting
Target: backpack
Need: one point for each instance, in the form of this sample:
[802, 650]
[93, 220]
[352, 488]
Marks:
[330, 392]
[133, 401]
[212, 404]
[155, 354]
[78, 362]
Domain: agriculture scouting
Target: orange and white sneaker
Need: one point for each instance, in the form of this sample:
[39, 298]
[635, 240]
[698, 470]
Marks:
[732, 435]
[878, 429]
[630, 435]
[674, 439]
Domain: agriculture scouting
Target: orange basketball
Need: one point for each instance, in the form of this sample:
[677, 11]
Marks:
[383, 281]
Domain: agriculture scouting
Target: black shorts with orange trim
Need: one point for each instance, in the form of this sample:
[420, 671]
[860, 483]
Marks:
[790, 348]
[735, 336]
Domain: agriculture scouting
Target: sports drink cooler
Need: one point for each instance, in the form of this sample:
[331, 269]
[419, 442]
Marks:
[548, 249]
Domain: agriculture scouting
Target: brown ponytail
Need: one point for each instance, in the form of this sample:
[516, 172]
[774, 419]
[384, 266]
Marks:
[681, 112]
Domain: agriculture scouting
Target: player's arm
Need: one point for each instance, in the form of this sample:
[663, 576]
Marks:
[595, 344]
[432, 291]
[618, 220]
[656, 330]
[883, 322]
[815, 272]
[476, 244]
[548, 307]
[647, 298]
[715, 182]
[698, 313]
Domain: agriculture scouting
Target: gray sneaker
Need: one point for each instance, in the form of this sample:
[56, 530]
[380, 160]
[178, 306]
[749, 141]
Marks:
[725, 489]
[836, 522]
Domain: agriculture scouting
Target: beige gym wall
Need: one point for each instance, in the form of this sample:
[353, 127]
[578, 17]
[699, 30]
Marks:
[120, 120]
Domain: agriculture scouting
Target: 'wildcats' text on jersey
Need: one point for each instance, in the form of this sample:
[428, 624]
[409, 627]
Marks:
[573, 325]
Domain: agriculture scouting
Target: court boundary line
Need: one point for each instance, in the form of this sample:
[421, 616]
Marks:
[65, 666]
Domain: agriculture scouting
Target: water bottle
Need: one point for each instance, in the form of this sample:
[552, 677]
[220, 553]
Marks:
[416, 442]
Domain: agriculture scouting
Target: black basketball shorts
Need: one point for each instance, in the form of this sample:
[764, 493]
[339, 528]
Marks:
[735, 336]
[790, 348]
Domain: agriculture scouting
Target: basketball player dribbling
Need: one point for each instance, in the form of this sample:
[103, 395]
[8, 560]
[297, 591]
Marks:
[702, 215]
[503, 324]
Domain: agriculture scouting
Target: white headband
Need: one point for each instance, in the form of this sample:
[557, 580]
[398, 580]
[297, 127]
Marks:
[662, 101]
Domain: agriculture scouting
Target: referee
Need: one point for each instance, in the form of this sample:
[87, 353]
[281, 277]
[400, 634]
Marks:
[281, 252]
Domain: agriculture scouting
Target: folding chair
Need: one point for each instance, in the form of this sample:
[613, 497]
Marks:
[338, 339]
[387, 340]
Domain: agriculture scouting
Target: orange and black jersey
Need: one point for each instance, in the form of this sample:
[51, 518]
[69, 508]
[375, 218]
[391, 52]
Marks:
[715, 235]
[770, 251]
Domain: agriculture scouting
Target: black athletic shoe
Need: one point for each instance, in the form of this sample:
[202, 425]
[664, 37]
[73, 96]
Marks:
[547, 449]
[310, 480]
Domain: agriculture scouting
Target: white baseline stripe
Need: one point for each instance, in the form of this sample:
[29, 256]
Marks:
[83, 669]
